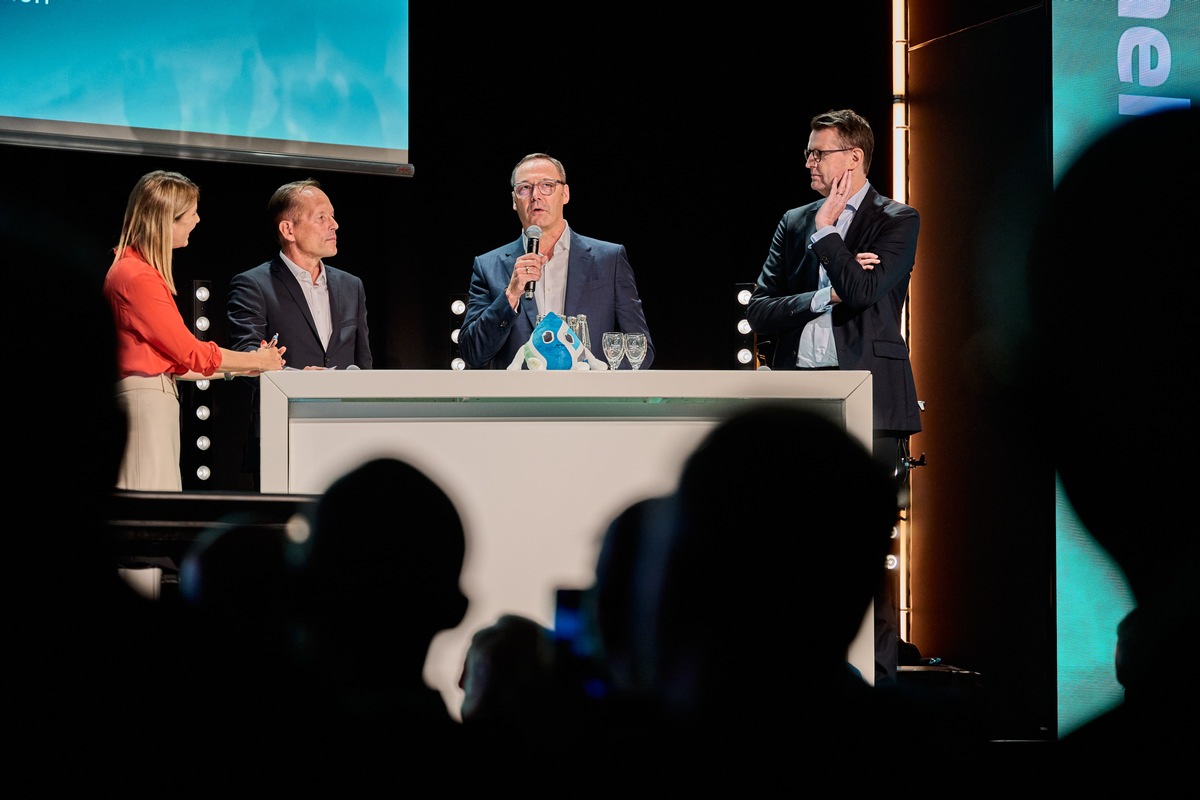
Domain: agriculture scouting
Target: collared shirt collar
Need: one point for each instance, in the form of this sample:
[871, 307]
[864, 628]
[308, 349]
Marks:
[301, 273]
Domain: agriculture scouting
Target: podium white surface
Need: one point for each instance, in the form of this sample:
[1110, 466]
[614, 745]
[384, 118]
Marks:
[538, 463]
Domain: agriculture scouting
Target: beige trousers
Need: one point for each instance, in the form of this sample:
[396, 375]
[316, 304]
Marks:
[151, 461]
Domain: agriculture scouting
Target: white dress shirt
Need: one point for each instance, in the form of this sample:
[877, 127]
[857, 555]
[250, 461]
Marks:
[551, 291]
[817, 348]
[317, 295]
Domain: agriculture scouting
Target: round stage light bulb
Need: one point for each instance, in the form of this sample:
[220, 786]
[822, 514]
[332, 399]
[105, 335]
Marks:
[202, 412]
[458, 363]
[744, 327]
[298, 528]
[454, 335]
[203, 473]
[202, 385]
[744, 297]
[203, 443]
[458, 307]
[202, 323]
[892, 562]
[202, 294]
[745, 356]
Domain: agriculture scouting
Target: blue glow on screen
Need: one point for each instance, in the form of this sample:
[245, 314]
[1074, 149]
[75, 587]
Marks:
[1112, 60]
[287, 70]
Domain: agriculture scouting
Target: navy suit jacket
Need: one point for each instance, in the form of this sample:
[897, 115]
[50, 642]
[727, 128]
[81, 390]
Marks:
[600, 284]
[866, 323]
[268, 299]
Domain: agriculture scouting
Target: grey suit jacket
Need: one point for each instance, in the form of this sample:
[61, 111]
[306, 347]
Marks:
[600, 284]
[866, 323]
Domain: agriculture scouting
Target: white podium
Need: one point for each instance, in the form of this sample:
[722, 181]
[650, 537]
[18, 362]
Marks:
[538, 463]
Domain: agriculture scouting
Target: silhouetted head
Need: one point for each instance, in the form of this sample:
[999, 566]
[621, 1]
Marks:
[784, 524]
[1109, 267]
[235, 572]
[508, 674]
[385, 554]
[239, 660]
[619, 607]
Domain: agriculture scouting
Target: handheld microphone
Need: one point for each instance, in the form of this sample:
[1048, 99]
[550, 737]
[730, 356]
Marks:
[534, 234]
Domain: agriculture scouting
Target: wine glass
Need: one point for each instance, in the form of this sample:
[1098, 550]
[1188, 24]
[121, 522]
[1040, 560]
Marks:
[635, 349]
[613, 343]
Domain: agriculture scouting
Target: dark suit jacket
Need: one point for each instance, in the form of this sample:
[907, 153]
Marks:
[866, 323]
[267, 299]
[600, 284]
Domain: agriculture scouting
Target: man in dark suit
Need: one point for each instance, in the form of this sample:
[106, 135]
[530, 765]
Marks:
[832, 291]
[571, 275]
[318, 311]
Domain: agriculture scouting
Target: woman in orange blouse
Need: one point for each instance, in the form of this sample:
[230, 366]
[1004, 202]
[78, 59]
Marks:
[154, 345]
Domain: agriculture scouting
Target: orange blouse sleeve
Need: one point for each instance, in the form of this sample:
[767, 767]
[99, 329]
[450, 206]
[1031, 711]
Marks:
[146, 308]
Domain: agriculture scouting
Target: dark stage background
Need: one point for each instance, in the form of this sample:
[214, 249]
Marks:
[682, 138]
[686, 147]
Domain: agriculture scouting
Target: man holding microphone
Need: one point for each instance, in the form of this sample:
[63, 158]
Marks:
[550, 268]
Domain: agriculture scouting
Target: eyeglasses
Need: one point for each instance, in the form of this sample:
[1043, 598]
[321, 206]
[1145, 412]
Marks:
[544, 187]
[817, 155]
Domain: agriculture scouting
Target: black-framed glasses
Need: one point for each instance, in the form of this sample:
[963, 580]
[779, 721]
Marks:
[817, 155]
[544, 187]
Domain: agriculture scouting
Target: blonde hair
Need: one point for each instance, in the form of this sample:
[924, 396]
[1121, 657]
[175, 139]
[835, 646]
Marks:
[158, 199]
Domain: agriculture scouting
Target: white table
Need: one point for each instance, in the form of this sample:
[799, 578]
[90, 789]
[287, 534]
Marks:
[587, 444]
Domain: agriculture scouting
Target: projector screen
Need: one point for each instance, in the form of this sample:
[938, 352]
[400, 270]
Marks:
[293, 82]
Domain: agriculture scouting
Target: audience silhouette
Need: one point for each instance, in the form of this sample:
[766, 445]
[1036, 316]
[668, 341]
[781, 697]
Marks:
[508, 681]
[236, 592]
[1132, 492]
[376, 581]
[742, 571]
[761, 599]
[618, 622]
